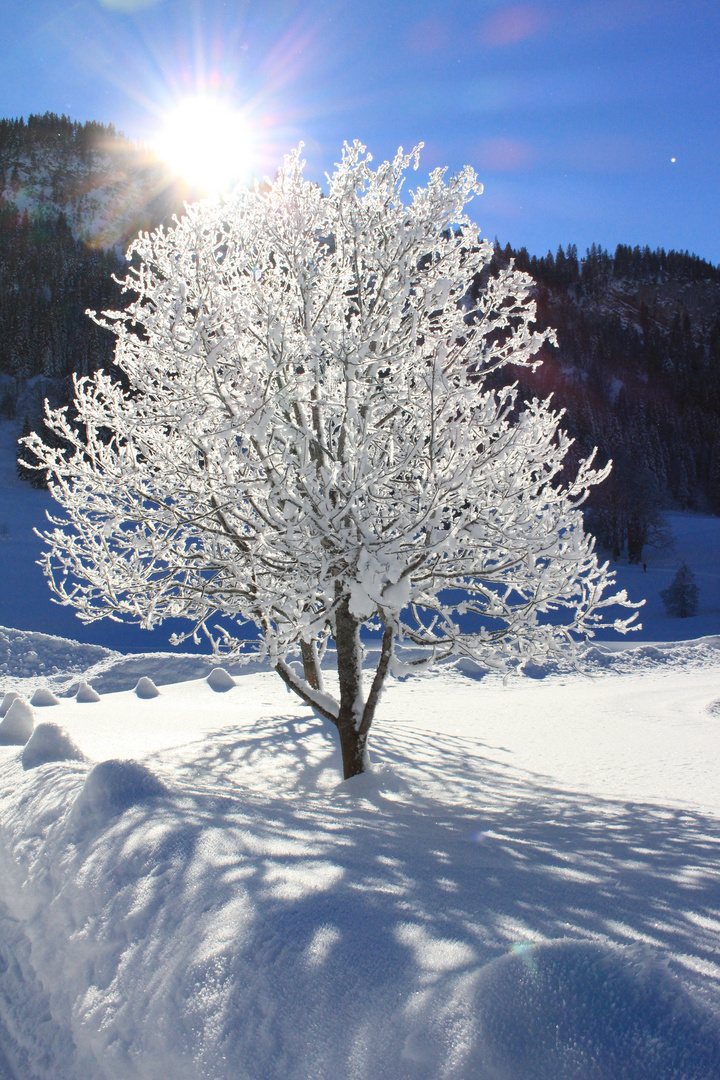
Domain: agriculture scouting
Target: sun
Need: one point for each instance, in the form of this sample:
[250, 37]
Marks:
[207, 142]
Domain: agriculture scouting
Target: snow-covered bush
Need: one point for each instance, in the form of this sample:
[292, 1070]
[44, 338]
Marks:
[681, 597]
[305, 440]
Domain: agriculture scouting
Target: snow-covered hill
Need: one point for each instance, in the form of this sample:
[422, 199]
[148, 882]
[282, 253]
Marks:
[106, 186]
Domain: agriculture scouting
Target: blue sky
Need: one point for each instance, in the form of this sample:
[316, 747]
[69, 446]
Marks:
[572, 111]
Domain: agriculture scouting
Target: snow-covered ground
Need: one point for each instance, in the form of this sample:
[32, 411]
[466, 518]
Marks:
[525, 887]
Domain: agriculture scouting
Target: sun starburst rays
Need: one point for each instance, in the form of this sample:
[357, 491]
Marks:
[208, 143]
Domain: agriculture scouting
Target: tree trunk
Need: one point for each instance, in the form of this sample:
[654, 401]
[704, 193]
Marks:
[352, 731]
[356, 715]
[311, 668]
[353, 747]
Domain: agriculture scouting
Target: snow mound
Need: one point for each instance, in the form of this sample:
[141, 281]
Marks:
[122, 673]
[146, 688]
[695, 654]
[110, 788]
[49, 742]
[713, 709]
[85, 693]
[220, 681]
[26, 654]
[17, 726]
[44, 697]
[598, 658]
[568, 1009]
[12, 695]
[471, 668]
[540, 669]
[611, 658]
[377, 782]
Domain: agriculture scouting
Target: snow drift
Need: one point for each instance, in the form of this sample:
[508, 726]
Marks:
[503, 897]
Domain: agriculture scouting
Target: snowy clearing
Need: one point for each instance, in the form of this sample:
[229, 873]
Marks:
[526, 887]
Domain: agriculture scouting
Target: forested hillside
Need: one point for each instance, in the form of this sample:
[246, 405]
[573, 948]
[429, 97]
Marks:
[105, 185]
[47, 281]
[72, 196]
[637, 366]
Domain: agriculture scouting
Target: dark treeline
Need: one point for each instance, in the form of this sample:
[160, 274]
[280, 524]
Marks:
[592, 272]
[637, 369]
[47, 281]
[20, 134]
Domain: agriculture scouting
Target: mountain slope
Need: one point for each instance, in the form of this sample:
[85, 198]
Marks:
[637, 368]
[106, 187]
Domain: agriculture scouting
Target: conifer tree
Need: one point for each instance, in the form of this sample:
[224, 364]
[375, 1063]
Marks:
[681, 597]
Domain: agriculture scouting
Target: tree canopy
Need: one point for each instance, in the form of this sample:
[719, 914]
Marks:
[304, 439]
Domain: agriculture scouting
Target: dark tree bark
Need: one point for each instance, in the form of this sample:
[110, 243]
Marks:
[353, 740]
[355, 715]
[310, 664]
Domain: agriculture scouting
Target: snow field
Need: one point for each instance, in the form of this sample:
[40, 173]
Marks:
[525, 887]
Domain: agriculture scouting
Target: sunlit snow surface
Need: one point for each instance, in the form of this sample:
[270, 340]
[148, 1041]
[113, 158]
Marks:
[525, 887]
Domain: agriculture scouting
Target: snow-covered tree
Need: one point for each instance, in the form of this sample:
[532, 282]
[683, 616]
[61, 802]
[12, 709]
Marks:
[304, 438]
[681, 597]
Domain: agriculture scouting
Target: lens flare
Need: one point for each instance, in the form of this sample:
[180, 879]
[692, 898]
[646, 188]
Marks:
[127, 7]
[208, 143]
[525, 952]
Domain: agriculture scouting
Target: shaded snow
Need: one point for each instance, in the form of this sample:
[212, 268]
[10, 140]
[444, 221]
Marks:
[696, 541]
[546, 1011]
[524, 887]
[110, 788]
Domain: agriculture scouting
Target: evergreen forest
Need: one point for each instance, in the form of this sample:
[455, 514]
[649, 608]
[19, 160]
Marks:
[637, 371]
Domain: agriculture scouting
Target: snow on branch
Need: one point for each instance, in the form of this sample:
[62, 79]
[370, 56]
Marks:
[306, 437]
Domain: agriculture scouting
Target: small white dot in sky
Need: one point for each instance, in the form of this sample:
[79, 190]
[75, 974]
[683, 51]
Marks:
[672, 159]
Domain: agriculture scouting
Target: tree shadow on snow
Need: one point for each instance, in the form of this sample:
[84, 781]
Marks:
[444, 916]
